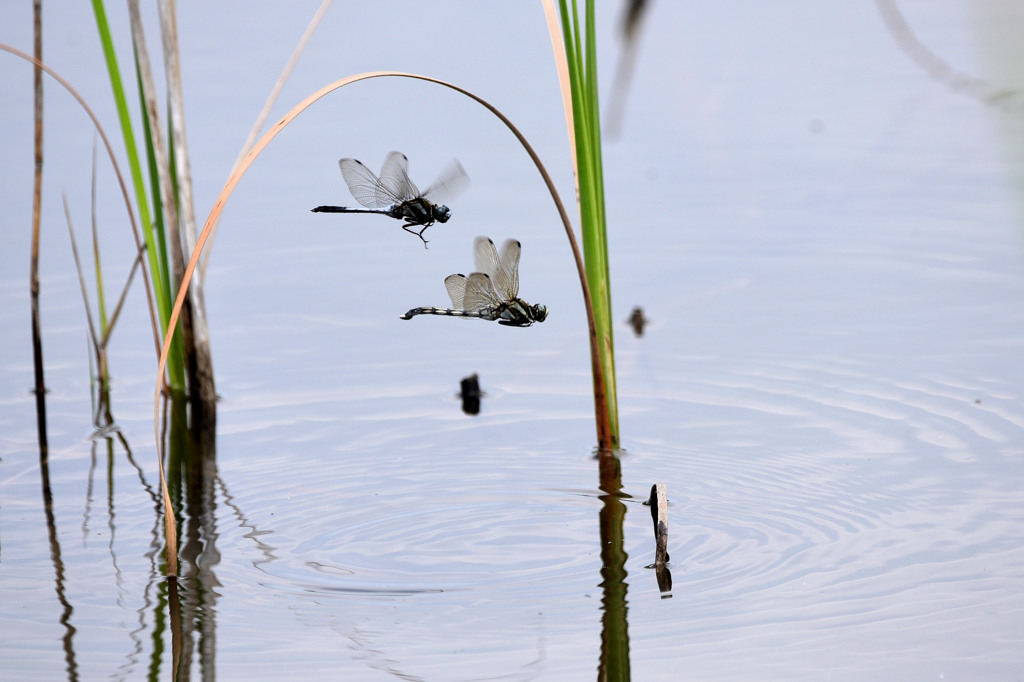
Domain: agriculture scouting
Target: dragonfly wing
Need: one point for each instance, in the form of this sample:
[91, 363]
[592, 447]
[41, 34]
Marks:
[364, 185]
[456, 286]
[394, 178]
[480, 293]
[450, 182]
[506, 280]
[485, 256]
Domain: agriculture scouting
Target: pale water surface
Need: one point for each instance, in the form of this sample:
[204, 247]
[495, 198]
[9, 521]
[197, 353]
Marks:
[826, 239]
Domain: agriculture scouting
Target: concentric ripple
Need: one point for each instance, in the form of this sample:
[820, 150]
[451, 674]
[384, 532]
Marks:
[820, 495]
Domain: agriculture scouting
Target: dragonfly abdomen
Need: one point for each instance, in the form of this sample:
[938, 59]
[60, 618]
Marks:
[484, 314]
[345, 209]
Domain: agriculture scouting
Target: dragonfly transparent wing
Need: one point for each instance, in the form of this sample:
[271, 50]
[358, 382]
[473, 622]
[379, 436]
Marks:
[485, 256]
[450, 182]
[365, 186]
[456, 286]
[480, 293]
[507, 279]
[504, 270]
[394, 178]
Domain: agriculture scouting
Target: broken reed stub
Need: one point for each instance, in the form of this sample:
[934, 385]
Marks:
[659, 513]
[658, 502]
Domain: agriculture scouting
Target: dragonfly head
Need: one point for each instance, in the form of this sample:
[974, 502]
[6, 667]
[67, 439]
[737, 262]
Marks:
[442, 214]
[538, 312]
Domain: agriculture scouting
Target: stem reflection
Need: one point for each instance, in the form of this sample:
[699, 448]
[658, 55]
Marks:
[192, 479]
[614, 664]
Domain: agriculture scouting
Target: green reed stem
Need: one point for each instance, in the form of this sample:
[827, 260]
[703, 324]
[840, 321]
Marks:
[101, 299]
[154, 243]
[582, 61]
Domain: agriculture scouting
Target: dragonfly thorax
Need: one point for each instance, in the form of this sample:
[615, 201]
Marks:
[519, 313]
[421, 212]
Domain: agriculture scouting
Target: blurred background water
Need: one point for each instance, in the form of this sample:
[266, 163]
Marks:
[821, 224]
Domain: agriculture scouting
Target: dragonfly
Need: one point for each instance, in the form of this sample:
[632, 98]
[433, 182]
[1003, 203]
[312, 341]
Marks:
[491, 293]
[395, 195]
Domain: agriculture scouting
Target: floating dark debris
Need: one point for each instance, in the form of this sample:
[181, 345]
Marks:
[470, 394]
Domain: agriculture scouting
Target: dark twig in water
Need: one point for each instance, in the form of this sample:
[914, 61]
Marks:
[658, 502]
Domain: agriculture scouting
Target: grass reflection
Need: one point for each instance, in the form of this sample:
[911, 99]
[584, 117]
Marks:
[614, 664]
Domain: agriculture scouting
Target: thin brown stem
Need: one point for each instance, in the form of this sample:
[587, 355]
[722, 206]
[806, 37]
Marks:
[605, 442]
[604, 433]
[81, 277]
[117, 173]
[37, 193]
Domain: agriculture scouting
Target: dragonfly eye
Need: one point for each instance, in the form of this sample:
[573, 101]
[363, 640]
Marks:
[442, 214]
[539, 312]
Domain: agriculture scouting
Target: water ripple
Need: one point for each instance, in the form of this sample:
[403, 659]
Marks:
[817, 482]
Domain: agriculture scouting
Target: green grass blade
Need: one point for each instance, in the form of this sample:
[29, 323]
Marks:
[176, 360]
[138, 184]
[596, 194]
[154, 187]
[155, 243]
[101, 301]
[582, 59]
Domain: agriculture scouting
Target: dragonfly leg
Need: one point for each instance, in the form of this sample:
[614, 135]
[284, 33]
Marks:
[419, 234]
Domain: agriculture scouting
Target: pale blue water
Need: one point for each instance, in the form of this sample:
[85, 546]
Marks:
[825, 239]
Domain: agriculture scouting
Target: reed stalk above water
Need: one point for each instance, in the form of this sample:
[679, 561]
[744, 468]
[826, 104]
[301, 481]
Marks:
[576, 57]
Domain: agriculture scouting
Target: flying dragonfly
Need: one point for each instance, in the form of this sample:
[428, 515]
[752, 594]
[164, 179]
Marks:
[395, 195]
[491, 293]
